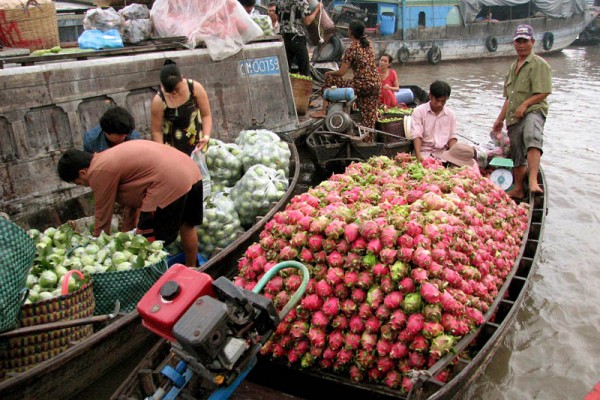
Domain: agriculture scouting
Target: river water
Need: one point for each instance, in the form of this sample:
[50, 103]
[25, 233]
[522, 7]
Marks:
[553, 349]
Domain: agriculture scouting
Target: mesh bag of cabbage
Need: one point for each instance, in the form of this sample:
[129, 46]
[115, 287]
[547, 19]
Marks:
[126, 286]
[17, 251]
[20, 353]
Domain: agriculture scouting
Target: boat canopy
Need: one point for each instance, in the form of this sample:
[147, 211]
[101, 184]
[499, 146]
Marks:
[469, 9]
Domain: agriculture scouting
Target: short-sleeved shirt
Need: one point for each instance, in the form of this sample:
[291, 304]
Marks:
[298, 9]
[534, 77]
[139, 174]
[366, 80]
[434, 130]
[94, 140]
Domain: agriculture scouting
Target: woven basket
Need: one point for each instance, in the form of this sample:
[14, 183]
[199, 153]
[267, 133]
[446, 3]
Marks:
[34, 27]
[21, 353]
[17, 251]
[395, 128]
[301, 89]
[126, 286]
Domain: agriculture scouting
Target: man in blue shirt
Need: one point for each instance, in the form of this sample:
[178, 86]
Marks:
[116, 126]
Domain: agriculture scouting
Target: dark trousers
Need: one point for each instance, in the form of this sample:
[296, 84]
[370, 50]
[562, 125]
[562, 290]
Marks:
[295, 49]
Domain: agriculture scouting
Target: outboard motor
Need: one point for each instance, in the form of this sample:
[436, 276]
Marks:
[338, 113]
[214, 326]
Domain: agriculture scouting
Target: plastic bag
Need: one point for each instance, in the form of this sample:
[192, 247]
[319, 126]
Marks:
[253, 194]
[220, 226]
[198, 158]
[264, 22]
[96, 39]
[252, 136]
[103, 20]
[134, 31]
[321, 29]
[224, 163]
[275, 155]
[223, 25]
[501, 139]
[135, 11]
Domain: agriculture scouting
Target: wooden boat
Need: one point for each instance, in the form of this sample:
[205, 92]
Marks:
[483, 342]
[590, 36]
[78, 367]
[333, 152]
[293, 381]
[431, 31]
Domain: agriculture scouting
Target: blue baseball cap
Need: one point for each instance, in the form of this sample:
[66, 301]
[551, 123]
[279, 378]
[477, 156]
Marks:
[523, 31]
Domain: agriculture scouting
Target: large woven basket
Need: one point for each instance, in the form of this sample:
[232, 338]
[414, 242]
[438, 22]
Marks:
[30, 25]
[301, 89]
[17, 251]
[21, 353]
[127, 287]
[395, 128]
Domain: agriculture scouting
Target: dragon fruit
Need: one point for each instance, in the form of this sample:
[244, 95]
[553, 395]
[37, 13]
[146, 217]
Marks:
[404, 257]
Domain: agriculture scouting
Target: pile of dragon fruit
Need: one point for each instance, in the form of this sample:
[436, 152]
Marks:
[404, 258]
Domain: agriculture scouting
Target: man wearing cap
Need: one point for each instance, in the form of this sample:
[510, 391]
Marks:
[526, 87]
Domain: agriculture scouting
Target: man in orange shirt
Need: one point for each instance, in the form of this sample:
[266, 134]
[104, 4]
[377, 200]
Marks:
[161, 183]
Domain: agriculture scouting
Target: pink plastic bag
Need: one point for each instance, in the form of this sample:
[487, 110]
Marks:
[223, 25]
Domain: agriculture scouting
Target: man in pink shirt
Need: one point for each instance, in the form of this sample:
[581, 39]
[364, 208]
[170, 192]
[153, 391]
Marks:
[159, 182]
[433, 126]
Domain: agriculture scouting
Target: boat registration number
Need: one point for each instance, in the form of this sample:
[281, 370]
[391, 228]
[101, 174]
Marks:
[260, 66]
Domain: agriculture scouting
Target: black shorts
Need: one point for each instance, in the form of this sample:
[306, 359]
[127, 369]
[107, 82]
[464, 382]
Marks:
[164, 223]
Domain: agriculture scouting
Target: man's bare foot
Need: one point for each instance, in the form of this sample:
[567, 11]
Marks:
[535, 188]
[318, 114]
[516, 194]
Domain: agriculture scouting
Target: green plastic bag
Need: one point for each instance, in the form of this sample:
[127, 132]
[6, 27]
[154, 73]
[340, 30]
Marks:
[17, 251]
[127, 287]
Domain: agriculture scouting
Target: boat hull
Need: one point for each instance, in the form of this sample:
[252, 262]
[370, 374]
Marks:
[471, 41]
[487, 338]
[45, 109]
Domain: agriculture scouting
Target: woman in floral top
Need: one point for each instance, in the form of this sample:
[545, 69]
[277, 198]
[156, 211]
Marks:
[366, 82]
[180, 112]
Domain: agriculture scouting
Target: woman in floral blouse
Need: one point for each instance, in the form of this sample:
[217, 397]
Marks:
[366, 81]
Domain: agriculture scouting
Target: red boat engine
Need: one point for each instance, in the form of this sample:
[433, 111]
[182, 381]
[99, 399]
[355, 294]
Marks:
[215, 327]
[170, 297]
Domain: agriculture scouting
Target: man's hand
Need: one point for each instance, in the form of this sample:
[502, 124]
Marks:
[520, 111]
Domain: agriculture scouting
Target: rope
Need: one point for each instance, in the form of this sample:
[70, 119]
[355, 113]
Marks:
[319, 25]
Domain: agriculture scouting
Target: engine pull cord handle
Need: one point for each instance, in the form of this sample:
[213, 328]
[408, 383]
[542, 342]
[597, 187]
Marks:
[297, 294]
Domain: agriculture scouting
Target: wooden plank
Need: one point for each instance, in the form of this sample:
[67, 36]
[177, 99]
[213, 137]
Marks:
[147, 385]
